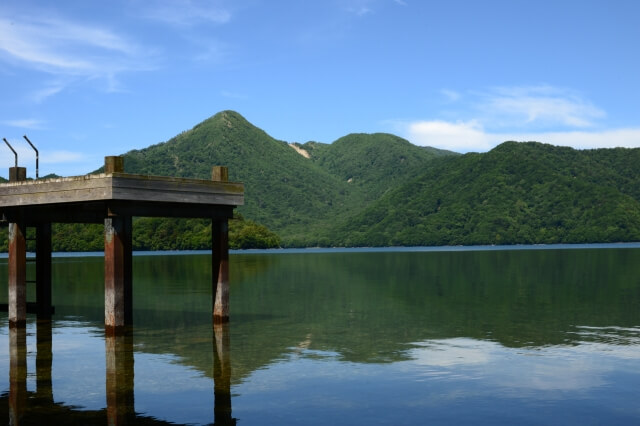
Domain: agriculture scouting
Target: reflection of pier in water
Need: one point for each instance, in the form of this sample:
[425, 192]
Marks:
[33, 408]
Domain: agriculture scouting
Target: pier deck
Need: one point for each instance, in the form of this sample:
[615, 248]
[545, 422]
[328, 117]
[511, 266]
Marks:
[112, 198]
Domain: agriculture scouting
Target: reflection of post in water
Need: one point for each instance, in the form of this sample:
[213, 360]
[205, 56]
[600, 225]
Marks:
[222, 375]
[119, 357]
[44, 359]
[17, 373]
[18, 369]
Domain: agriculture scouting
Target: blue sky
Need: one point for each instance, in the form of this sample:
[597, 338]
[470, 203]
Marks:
[84, 79]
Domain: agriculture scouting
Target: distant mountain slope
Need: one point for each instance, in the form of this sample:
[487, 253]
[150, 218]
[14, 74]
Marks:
[298, 197]
[372, 162]
[516, 193]
[283, 190]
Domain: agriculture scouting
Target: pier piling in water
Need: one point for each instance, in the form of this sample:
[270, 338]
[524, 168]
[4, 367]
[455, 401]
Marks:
[220, 257]
[118, 291]
[17, 275]
[17, 261]
[43, 271]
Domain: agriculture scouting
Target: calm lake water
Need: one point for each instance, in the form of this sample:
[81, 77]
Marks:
[528, 336]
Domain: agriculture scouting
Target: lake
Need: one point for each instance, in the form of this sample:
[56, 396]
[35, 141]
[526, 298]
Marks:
[533, 335]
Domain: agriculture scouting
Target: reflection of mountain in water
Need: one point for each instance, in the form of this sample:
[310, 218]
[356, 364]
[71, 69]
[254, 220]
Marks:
[367, 307]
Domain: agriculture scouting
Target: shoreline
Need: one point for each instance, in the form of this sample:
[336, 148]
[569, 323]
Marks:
[399, 249]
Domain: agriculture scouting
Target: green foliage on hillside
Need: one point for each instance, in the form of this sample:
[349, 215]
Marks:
[374, 163]
[158, 234]
[518, 193]
[298, 198]
[439, 152]
[195, 234]
[283, 190]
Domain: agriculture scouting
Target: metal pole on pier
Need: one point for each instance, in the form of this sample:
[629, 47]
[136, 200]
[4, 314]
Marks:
[37, 154]
[13, 150]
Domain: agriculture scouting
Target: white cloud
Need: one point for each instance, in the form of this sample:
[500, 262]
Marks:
[68, 50]
[458, 136]
[537, 106]
[534, 107]
[470, 136]
[543, 113]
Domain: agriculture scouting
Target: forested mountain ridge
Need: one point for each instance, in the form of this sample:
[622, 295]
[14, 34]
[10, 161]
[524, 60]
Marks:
[380, 190]
[374, 163]
[299, 198]
[517, 193]
[282, 189]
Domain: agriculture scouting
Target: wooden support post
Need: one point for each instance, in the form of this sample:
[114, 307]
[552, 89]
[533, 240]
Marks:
[114, 164]
[220, 174]
[17, 262]
[43, 270]
[17, 174]
[220, 270]
[119, 378]
[118, 295]
[17, 275]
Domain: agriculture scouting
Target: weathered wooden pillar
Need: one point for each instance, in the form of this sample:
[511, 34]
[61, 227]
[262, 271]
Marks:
[220, 270]
[17, 275]
[17, 262]
[118, 294]
[17, 174]
[114, 164]
[119, 378]
[220, 257]
[222, 376]
[17, 374]
[43, 270]
[220, 174]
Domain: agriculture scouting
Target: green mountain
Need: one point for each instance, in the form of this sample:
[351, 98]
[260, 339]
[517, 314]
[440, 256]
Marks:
[283, 190]
[372, 163]
[380, 190]
[299, 191]
[518, 193]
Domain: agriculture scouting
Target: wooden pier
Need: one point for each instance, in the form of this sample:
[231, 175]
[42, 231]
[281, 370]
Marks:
[112, 198]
